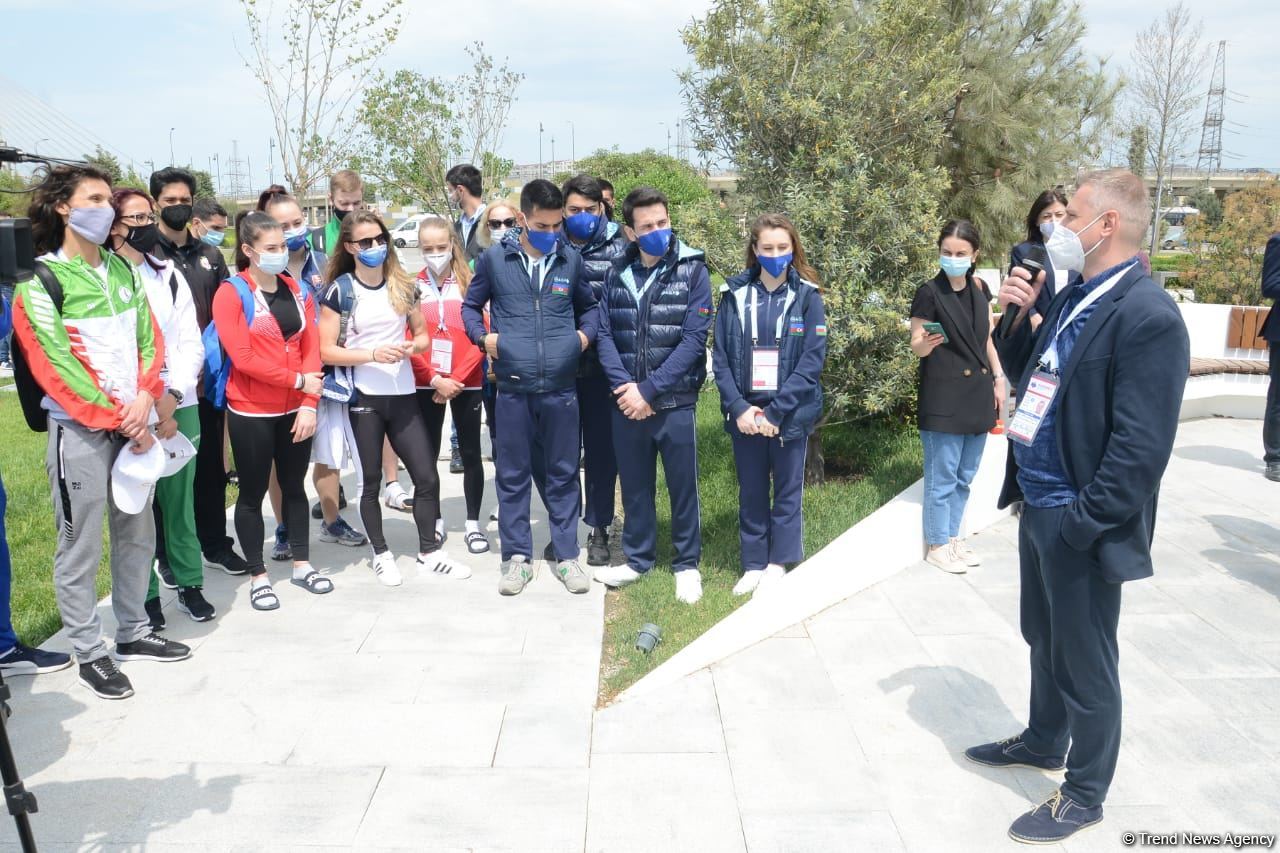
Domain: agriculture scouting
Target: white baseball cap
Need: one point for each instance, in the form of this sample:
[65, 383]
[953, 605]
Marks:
[178, 451]
[134, 474]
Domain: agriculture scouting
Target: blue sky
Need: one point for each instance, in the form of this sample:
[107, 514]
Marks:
[130, 72]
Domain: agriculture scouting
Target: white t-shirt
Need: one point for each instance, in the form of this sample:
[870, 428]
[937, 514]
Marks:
[374, 323]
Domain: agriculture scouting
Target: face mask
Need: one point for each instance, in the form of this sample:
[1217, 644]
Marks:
[655, 242]
[176, 216]
[296, 239]
[372, 257]
[774, 266]
[582, 225]
[340, 213]
[273, 263]
[498, 233]
[213, 238]
[1046, 228]
[955, 267]
[543, 241]
[92, 223]
[439, 262]
[1064, 248]
[143, 237]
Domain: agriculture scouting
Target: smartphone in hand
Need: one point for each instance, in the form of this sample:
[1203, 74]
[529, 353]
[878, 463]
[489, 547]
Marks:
[936, 329]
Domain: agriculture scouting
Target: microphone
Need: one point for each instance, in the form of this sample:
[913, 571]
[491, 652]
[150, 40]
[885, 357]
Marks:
[1035, 262]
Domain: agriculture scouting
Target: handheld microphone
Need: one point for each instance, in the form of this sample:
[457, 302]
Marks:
[1035, 262]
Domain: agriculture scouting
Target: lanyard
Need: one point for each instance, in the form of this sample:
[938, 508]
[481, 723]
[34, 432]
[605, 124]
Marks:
[755, 319]
[1050, 357]
[437, 289]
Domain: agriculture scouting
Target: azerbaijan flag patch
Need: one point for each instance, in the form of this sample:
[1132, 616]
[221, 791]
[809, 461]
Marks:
[820, 330]
[704, 311]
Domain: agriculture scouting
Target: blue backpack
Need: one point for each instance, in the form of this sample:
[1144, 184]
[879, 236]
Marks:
[217, 366]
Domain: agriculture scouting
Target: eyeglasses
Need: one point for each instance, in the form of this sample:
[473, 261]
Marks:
[502, 223]
[138, 218]
[370, 242]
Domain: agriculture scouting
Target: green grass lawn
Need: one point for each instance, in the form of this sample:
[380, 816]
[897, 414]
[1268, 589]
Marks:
[872, 463]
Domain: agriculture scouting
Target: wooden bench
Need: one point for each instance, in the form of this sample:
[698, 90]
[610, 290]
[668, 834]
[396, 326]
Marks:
[1244, 331]
[1211, 366]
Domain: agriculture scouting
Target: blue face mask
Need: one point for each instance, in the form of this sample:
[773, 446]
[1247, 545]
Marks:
[296, 239]
[582, 225]
[543, 241]
[655, 242]
[955, 267]
[372, 257]
[273, 263]
[775, 266]
[213, 238]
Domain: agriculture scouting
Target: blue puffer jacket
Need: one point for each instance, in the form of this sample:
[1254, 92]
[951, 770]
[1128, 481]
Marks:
[538, 344]
[598, 254]
[660, 343]
[797, 404]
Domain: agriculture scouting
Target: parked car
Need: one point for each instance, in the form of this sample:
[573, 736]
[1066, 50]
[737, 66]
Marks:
[405, 235]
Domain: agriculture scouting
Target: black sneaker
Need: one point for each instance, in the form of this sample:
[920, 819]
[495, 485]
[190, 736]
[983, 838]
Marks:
[152, 647]
[102, 677]
[228, 561]
[164, 574]
[155, 615]
[191, 601]
[1012, 752]
[317, 513]
[598, 547]
[1056, 819]
[455, 462]
[1273, 471]
[24, 660]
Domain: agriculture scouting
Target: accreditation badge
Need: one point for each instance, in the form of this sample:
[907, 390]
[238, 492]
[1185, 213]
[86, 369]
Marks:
[442, 356]
[764, 369]
[1032, 408]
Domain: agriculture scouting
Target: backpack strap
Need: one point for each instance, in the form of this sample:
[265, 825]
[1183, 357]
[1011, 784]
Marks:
[245, 292]
[346, 302]
[52, 286]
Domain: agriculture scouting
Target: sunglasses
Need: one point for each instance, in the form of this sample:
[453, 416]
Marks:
[502, 223]
[370, 242]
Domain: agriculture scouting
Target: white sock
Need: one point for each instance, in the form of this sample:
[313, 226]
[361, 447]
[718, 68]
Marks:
[260, 580]
[300, 572]
[775, 566]
[473, 525]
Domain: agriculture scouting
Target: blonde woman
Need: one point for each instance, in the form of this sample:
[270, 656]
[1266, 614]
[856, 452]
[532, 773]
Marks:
[368, 315]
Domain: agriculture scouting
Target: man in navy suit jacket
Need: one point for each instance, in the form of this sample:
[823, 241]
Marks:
[1117, 346]
[1271, 331]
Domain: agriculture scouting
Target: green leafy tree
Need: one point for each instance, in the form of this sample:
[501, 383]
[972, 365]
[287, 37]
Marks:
[783, 89]
[1207, 202]
[1228, 256]
[204, 183]
[1029, 109]
[14, 198]
[1137, 152]
[107, 162]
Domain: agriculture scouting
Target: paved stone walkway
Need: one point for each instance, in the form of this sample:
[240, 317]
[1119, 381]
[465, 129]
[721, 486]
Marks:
[439, 716]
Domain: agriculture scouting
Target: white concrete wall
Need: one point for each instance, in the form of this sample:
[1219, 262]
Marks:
[1219, 395]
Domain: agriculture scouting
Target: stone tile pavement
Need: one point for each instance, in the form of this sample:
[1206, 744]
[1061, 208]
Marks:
[439, 716]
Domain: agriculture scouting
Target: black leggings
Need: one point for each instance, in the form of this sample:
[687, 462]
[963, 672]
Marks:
[466, 408]
[257, 443]
[396, 418]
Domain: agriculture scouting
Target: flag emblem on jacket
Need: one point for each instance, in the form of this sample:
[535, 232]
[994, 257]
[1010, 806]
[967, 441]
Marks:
[820, 330]
[704, 311]
[560, 288]
[796, 327]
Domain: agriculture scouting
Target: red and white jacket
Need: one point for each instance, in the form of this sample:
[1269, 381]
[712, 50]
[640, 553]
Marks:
[467, 357]
[265, 366]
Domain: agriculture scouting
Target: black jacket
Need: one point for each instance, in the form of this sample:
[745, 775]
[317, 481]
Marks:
[1117, 415]
[604, 247]
[957, 383]
[478, 240]
[202, 266]
[1271, 287]
[1043, 301]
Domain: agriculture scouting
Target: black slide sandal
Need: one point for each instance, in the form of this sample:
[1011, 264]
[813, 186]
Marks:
[314, 582]
[264, 598]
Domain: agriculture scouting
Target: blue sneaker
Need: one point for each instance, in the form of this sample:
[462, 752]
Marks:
[280, 551]
[24, 660]
[1012, 752]
[342, 533]
[1056, 819]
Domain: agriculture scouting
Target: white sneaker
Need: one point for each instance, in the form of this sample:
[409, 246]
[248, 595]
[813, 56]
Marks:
[965, 554]
[689, 586]
[769, 579]
[748, 582]
[944, 558]
[384, 566]
[440, 565]
[616, 577]
[395, 497]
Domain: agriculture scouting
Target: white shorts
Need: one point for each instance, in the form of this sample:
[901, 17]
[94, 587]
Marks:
[334, 444]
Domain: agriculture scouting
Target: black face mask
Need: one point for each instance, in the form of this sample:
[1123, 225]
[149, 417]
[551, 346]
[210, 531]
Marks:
[143, 238]
[340, 213]
[176, 216]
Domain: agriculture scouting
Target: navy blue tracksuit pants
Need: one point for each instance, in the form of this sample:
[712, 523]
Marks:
[769, 531]
[547, 423]
[671, 432]
[599, 467]
[1069, 618]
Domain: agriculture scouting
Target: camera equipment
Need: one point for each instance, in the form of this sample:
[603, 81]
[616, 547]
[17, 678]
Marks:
[19, 800]
[1036, 261]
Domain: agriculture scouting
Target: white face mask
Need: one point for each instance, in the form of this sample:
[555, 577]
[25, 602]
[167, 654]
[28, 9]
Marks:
[1063, 245]
[438, 263]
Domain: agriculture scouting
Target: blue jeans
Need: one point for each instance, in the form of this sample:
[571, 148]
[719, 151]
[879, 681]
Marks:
[8, 639]
[950, 462]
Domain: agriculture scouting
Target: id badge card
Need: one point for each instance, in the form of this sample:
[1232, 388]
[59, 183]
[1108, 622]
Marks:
[442, 355]
[1032, 408]
[764, 369]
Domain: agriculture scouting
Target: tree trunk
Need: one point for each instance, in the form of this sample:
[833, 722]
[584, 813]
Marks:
[814, 462]
[1155, 216]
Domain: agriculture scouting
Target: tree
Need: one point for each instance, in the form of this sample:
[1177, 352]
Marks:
[312, 68]
[1207, 202]
[107, 162]
[1228, 255]
[1168, 65]
[1031, 107]
[204, 183]
[1138, 150]
[782, 90]
[14, 197]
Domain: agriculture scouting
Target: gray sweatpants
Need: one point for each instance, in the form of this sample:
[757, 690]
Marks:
[79, 463]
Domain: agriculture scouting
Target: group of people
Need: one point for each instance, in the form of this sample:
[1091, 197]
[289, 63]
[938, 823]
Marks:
[581, 341]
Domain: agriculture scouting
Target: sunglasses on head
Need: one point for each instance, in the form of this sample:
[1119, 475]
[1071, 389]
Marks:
[502, 223]
[370, 242]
